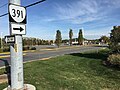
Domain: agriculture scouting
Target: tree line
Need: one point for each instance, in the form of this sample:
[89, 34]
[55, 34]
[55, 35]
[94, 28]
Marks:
[36, 41]
[28, 43]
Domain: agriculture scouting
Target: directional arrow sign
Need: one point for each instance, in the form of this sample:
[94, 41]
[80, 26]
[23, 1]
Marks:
[10, 39]
[19, 29]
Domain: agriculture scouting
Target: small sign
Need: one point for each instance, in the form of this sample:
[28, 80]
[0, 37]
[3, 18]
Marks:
[10, 39]
[17, 14]
[18, 29]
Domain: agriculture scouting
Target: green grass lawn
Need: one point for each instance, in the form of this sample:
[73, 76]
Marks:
[80, 71]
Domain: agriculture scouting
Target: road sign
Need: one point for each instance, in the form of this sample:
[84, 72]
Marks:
[17, 14]
[18, 29]
[10, 39]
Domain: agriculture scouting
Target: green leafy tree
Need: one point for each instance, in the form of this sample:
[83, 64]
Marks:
[34, 41]
[51, 42]
[104, 39]
[80, 37]
[115, 39]
[70, 36]
[58, 40]
[24, 42]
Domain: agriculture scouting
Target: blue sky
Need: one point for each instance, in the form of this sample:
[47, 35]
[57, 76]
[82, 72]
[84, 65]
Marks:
[95, 17]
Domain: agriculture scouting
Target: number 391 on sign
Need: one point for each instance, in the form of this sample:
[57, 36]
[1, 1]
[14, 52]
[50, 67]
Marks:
[17, 14]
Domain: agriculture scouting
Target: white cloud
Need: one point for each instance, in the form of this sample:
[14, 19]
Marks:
[77, 12]
[111, 3]
[84, 19]
[83, 11]
[76, 9]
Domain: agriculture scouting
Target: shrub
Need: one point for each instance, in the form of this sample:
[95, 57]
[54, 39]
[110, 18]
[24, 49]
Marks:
[7, 49]
[33, 48]
[1, 50]
[114, 59]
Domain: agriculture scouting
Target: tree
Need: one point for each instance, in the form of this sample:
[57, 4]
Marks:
[104, 39]
[58, 40]
[115, 39]
[80, 37]
[70, 36]
[51, 42]
[34, 41]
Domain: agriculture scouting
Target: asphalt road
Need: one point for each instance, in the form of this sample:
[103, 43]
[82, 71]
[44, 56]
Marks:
[46, 53]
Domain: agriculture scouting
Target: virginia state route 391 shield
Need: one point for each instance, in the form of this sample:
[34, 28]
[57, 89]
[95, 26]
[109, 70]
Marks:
[17, 14]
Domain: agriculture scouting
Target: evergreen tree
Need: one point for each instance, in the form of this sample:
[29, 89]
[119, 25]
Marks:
[115, 39]
[80, 37]
[58, 40]
[70, 36]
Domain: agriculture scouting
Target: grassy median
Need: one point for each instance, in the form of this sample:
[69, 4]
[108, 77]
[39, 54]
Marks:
[80, 71]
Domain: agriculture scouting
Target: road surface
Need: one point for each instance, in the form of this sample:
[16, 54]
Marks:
[46, 53]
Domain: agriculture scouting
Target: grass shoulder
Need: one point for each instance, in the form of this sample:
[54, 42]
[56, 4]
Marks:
[77, 71]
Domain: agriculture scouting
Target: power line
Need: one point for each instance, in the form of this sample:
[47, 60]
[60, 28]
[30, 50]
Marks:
[26, 6]
[3, 5]
[35, 3]
[4, 15]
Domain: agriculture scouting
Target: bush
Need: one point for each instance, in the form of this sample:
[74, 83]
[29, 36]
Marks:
[7, 49]
[114, 59]
[115, 48]
[33, 48]
[1, 50]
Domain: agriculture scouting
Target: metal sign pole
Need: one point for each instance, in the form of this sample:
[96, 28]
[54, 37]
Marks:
[17, 64]
[17, 25]
[17, 81]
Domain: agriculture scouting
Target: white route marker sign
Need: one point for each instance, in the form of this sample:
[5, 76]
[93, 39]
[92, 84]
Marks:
[17, 14]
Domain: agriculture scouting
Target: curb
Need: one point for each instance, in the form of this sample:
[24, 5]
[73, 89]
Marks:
[8, 56]
[23, 51]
